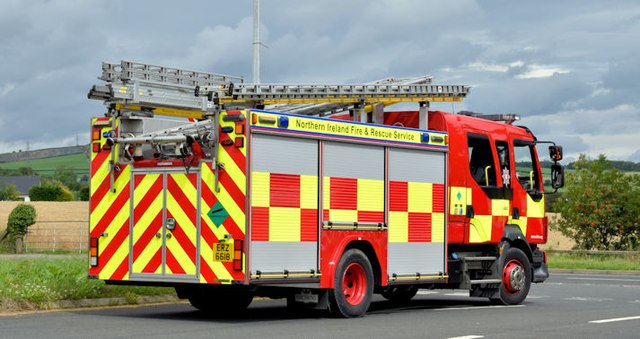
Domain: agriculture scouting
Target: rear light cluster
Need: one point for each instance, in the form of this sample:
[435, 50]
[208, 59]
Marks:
[93, 252]
[237, 255]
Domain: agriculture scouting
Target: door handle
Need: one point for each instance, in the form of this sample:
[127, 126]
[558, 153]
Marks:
[170, 224]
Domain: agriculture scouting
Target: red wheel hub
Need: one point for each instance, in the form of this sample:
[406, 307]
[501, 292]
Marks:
[354, 284]
[513, 276]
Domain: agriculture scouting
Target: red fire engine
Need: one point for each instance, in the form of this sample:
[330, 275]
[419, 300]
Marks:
[270, 191]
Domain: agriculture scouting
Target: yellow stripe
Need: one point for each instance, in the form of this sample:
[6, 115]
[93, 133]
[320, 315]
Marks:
[398, 226]
[233, 170]
[284, 224]
[326, 194]
[499, 207]
[105, 204]
[145, 220]
[370, 195]
[343, 215]
[420, 197]
[147, 253]
[480, 229]
[308, 191]
[535, 209]
[521, 222]
[260, 189]
[115, 224]
[100, 176]
[220, 271]
[185, 224]
[234, 210]
[437, 227]
[121, 254]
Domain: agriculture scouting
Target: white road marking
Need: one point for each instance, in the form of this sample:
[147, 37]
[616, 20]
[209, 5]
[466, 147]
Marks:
[587, 299]
[604, 279]
[603, 321]
[476, 307]
[468, 337]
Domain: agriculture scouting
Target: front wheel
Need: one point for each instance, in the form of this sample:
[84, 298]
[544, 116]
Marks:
[353, 285]
[516, 277]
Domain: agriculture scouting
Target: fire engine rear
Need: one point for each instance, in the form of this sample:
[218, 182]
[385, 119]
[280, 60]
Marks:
[269, 190]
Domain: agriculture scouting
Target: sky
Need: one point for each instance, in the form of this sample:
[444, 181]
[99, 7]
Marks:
[570, 69]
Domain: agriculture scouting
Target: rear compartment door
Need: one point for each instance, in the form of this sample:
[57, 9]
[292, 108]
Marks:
[165, 226]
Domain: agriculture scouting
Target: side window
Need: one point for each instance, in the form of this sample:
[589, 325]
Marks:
[526, 166]
[481, 162]
[502, 149]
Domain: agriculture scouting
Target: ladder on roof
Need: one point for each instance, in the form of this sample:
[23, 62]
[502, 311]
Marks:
[170, 91]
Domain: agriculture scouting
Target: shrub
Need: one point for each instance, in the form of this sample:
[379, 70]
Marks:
[50, 191]
[20, 218]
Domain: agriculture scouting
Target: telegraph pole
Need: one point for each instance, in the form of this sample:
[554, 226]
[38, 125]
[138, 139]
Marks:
[256, 41]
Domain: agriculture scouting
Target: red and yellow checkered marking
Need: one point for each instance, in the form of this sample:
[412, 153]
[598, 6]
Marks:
[416, 212]
[284, 207]
[353, 200]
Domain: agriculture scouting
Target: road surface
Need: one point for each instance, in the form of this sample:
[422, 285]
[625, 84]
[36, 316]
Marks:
[567, 306]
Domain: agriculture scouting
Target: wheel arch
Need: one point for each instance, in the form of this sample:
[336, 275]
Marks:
[368, 250]
[335, 252]
[514, 238]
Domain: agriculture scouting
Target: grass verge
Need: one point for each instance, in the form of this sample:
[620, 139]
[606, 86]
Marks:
[34, 283]
[593, 262]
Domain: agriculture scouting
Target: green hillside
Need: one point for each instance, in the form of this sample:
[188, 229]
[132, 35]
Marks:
[79, 162]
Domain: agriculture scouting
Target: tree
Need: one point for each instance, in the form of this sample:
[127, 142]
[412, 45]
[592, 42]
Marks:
[599, 207]
[20, 218]
[67, 176]
[83, 194]
[8, 192]
[50, 191]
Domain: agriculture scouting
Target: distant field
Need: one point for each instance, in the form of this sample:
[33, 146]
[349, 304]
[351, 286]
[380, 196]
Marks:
[47, 166]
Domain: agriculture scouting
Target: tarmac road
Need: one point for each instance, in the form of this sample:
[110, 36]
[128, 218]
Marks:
[566, 306]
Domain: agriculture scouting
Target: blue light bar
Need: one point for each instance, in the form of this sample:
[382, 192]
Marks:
[283, 122]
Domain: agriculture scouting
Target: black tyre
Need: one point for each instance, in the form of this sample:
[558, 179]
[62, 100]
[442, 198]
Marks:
[515, 276]
[218, 301]
[400, 294]
[353, 285]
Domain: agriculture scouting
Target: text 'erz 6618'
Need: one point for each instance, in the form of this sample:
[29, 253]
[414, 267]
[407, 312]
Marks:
[319, 194]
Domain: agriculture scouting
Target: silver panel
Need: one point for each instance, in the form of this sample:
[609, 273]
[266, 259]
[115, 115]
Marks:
[287, 155]
[412, 257]
[280, 256]
[416, 166]
[353, 161]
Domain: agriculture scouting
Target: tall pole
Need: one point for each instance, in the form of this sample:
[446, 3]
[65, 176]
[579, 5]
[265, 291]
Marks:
[256, 41]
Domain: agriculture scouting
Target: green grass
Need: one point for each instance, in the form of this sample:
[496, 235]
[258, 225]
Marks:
[46, 166]
[593, 262]
[43, 280]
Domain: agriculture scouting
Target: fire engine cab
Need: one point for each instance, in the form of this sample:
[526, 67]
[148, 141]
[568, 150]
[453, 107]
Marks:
[314, 193]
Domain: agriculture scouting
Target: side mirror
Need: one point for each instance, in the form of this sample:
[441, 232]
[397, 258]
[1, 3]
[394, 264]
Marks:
[555, 152]
[557, 176]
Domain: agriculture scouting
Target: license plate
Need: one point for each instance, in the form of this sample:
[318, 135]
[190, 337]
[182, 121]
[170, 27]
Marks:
[223, 252]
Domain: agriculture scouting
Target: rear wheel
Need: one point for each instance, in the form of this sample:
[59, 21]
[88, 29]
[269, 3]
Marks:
[516, 277]
[217, 301]
[353, 285]
[400, 294]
